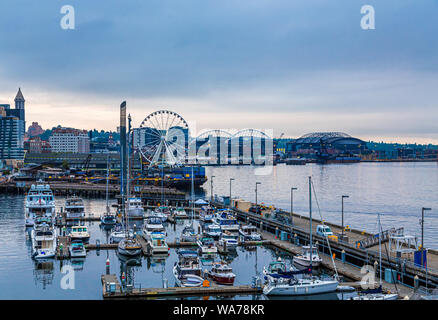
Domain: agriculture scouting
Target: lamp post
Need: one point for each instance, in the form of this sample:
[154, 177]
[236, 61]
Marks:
[257, 183]
[211, 188]
[231, 179]
[292, 204]
[343, 216]
[422, 233]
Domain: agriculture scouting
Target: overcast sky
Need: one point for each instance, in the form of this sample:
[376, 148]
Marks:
[294, 66]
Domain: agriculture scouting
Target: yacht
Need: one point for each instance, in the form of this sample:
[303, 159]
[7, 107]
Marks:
[117, 234]
[39, 202]
[206, 245]
[43, 241]
[226, 220]
[229, 239]
[206, 214]
[249, 233]
[74, 207]
[304, 258]
[212, 230]
[135, 207]
[153, 224]
[287, 284]
[79, 233]
[77, 249]
[157, 243]
[222, 273]
[159, 214]
[180, 213]
[187, 271]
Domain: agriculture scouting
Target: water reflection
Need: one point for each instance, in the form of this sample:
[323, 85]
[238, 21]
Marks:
[43, 273]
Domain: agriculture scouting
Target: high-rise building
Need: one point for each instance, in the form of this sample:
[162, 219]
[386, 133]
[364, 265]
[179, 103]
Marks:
[69, 140]
[12, 129]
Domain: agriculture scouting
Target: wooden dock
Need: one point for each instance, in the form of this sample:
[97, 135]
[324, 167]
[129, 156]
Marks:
[213, 289]
[62, 248]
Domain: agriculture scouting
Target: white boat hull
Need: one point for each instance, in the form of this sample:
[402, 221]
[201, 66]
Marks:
[306, 262]
[317, 287]
[135, 212]
[130, 253]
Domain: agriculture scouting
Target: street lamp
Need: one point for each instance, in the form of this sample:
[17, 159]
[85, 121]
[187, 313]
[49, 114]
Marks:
[257, 183]
[211, 188]
[422, 232]
[231, 179]
[292, 204]
[343, 216]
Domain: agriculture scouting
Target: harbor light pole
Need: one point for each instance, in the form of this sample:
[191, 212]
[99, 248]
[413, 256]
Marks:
[343, 216]
[231, 179]
[422, 233]
[257, 183]
[292, 204]
[211, 188]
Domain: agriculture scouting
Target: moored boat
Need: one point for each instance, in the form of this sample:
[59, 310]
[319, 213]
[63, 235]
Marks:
[187, 271]
[308, 258]
[222, 273]
[40, 202]
[79, 233]
[249, 233]
[206, 245]
[43, 241]
[77, 249]
[74, 207]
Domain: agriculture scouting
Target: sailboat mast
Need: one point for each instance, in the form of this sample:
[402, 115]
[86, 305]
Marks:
[380, 250]
[310, 217]
[192, 196]
[107, 177]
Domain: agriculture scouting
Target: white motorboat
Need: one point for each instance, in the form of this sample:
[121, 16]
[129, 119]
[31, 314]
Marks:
[229, 239]
[129, 246]
[376, 296]
[159, 214]
[77, 249]
[212, 230]
[79, 233]
[189, 234]
[206, 245]
[276, 266]
[117, 234]
[249, 233]
[304, 258]
[40, 202]
[187, 271]
[289, 285]
[226, 220]
[135, 207]
[74, 207]
[157, 243]
[43, 241]
[153, 224]
[108, 219]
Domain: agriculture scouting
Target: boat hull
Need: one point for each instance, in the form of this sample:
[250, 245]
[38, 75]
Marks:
[301, 289]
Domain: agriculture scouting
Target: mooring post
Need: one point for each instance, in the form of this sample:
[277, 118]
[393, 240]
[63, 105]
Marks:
[343, 256]
[107, 266]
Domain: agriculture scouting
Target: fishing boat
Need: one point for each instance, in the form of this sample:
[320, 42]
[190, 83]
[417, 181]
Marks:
[187, 271]
[77, 249]
[157, 243]
[226, 220]
[153, 224]
[229, 239]
[79, 233]
[108, 218]
[39, 202]
[43, 241]
[135, 207]
[74, 207]
[179, 213]
[206, 214]
[249, 233]
[306, 257]
[206, 245]
[212, 230]
[222, 273]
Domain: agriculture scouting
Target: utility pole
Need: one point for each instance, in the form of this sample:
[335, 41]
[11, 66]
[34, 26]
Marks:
[211, 188]
[257, 183]
[292, 205]
[343, 216]
[231, 179]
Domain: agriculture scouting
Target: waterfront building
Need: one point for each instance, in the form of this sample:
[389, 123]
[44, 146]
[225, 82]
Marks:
[69, 140]
[34, 130]
[36, 145]
[12, 129]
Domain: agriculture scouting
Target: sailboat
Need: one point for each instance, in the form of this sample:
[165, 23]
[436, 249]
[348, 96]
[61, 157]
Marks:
[108, 218]
[377, 294]
[309, 256]
[288, 283]
[129, 245]
[189, 234]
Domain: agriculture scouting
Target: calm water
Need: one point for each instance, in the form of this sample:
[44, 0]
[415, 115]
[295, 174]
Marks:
[397, 190]
[23, 278]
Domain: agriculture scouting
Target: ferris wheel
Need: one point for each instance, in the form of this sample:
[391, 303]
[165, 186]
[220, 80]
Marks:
[162, 139]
